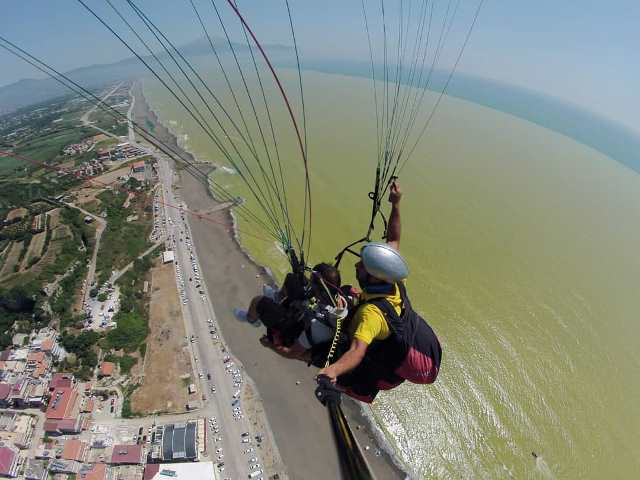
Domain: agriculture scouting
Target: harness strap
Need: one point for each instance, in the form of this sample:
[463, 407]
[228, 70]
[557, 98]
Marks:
[388, 310]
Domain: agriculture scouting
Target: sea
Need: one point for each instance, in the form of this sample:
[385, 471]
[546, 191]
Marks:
[523, 249]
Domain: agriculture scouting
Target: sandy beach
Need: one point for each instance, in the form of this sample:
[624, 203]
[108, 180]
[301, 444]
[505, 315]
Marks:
[298, 421]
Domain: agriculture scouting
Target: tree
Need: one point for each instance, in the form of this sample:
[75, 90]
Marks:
[130, 332]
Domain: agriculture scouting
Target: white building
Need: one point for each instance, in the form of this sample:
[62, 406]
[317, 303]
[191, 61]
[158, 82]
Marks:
[180, 471]
[168, 257]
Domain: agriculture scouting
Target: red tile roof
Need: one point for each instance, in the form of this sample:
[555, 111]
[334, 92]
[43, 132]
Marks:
[150, 471]
[66, 425]
[47, 345]
[35, 356]
[126, 454]
[40, 369]
[61, 380]
[98, 472]
[74, 450]
[62, 403]
[106, 369]
[5, 388]
[7, 455]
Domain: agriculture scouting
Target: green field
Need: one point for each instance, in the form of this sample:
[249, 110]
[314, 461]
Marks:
[107, 122]
[48, 147]
[8, 165]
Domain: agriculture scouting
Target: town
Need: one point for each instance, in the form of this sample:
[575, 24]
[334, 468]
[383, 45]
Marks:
[97, 378]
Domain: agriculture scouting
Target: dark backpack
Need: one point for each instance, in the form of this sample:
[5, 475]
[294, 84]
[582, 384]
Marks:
[412, 351]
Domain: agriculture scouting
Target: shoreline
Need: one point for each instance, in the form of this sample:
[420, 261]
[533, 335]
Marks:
[287, 399]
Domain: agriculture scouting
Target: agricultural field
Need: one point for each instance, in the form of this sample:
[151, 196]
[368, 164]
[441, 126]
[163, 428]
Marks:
[8, 165]
[11, 259]
[34, 253]
[106, 122]
[48, 148]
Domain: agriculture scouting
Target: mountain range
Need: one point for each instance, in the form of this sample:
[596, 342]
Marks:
[32, 91]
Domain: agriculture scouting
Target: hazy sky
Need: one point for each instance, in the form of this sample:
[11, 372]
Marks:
[581, 51]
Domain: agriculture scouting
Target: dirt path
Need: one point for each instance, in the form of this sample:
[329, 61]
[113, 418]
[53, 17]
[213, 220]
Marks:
[163, 389]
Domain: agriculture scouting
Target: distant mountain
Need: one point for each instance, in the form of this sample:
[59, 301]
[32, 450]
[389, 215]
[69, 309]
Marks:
[29, 91]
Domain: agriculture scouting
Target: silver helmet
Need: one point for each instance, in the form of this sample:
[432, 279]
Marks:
[384, 262]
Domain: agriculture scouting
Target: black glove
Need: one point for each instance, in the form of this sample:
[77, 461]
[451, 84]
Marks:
[327, 391]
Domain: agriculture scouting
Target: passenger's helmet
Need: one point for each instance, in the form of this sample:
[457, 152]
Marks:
[384, 262]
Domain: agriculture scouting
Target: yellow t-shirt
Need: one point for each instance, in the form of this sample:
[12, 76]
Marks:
[369, 323]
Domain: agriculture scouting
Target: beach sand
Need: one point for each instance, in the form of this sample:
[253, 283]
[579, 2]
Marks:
[299, 423]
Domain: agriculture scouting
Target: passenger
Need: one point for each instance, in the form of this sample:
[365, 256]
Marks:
[305, 320]
[390, 343]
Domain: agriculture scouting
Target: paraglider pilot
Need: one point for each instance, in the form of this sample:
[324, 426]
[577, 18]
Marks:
[390, 343]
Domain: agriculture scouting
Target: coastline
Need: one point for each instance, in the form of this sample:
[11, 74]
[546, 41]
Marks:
[284, 388]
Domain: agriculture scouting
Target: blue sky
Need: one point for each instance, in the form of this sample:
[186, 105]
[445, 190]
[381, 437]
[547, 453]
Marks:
[584, 52]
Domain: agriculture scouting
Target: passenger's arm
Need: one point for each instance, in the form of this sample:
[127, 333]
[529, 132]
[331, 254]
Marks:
[350, 360]
[394, 226]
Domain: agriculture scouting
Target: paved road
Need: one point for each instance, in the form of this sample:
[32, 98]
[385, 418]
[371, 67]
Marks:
[207, 353]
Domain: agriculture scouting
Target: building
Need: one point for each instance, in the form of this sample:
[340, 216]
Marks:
[35, 469]
[5, 389]
[18, 339]
[168, 256]
[179, 442]
[19, 394]
[63, 413]
[106, 369]
[16, 429]
[8, 462]
[179, 471]
[88, 406]
[62, 403]
[97, 471]
[61, 380]
[127, 455]
[75, 450]
[64, 466]
[138, 167]
[138, 171]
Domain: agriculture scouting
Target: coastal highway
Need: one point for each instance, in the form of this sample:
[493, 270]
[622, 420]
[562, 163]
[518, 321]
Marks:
[207, 353]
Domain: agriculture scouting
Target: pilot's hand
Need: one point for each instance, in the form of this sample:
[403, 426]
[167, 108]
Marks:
[395, 194]
[329, 372]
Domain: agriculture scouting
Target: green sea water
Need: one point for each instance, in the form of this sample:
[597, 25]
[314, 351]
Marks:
[523, 252]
